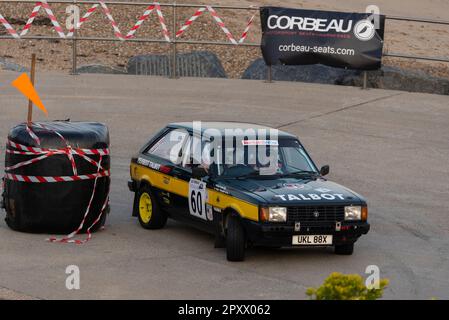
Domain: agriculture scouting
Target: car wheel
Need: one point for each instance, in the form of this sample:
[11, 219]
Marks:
[235, 240]
[345, 249]
[148, 211]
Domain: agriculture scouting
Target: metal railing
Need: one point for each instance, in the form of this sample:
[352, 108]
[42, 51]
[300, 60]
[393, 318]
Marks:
[174, 41]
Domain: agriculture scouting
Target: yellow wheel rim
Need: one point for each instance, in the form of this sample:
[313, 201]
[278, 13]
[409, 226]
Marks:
[145, 207]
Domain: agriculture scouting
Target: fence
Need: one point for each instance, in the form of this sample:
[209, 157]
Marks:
[174, 39]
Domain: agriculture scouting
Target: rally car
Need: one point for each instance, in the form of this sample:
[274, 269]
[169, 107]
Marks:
[215, 176]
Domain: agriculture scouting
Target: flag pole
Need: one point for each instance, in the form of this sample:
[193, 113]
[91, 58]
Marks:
[32, 75]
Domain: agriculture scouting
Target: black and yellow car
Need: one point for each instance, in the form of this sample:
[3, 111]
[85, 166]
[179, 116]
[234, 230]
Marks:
[222, 186]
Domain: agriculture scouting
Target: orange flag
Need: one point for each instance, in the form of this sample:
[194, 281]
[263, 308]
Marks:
[24, 85]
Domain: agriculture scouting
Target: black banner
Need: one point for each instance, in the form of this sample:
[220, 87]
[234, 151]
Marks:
[337, 39]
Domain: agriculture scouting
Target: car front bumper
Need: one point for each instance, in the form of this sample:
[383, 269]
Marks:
[132, 186]
[281, 235]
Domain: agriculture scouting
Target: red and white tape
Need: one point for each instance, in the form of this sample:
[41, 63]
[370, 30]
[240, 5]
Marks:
[220, 23]
[187, 24]
[44, 153]
[25, 150]
[83, 19]
[108, 14]
[41, 179]
[248, 27]
[162, 22]
[52, 17]
[155, 6]
[69, 237]
[139, 22]
[33, 135]
[30, 21]
[8, 27]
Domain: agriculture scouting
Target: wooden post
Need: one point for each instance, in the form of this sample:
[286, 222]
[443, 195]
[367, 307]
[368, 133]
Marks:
[32, 75]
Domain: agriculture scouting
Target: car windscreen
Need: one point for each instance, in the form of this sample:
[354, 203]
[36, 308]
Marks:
[261, 158]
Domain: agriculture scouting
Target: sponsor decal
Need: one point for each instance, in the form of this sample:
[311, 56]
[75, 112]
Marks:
[310, 197]
[221, 189]
[260, 142]
[286, 22]
[337, 39]
[364, 30]
[209, 212]
[298, 186]
[148, 163]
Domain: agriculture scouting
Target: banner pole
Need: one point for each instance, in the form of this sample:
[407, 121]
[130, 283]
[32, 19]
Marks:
[365, 80]
[269, 78]
[32, 76]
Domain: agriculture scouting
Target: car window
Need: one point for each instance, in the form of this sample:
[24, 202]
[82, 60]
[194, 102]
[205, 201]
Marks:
[296, 159]
[190, 158]
[186, 161]
[170, 146]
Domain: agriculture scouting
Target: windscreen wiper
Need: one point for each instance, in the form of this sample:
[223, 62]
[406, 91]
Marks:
[302, 172]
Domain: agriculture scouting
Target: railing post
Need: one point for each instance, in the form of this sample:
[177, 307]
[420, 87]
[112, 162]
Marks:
[74, 43]
[173, 74]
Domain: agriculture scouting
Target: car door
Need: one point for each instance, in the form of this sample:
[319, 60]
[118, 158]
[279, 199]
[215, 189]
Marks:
[193, 208]
[161, 157]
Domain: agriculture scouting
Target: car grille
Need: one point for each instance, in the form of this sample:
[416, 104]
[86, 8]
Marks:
[307, 214]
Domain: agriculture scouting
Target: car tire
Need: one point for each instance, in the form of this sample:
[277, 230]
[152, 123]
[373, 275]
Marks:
[344, 249]
[148, 211]
[235, 240]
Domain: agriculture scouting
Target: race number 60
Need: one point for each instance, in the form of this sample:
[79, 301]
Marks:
[197, 198]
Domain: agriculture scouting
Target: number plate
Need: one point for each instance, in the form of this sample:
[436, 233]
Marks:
[312, 240]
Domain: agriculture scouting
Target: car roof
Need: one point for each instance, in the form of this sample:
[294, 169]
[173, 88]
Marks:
[223, 125]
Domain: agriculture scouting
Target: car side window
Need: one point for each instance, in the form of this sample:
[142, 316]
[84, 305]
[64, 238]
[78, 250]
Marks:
[170, 146]
[186, 161]
[194, 159]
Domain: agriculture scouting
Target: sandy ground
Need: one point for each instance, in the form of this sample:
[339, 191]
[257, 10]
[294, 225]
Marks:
[389, 146]
[401, 37]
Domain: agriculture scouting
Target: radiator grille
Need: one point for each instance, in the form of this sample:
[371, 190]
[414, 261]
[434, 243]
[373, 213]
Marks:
[316, 214]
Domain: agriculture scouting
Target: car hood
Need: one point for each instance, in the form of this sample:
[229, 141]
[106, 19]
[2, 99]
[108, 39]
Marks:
[294, 191]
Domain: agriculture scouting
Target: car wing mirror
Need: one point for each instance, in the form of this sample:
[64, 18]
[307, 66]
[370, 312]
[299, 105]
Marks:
[199, 172]
[324, 170]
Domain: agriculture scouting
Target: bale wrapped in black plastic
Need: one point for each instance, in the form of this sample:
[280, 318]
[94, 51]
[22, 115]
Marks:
[55, 173]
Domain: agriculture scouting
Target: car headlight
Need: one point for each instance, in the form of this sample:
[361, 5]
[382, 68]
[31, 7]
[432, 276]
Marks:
[273, 214]
[353, 213]
[278, 214]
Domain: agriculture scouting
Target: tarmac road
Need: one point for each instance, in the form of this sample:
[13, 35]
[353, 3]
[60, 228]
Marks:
[392, 147]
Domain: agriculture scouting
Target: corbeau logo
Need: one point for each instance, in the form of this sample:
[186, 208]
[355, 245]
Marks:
[364, 30]
[309, 24]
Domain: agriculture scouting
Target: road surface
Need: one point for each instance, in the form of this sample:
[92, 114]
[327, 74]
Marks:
[392, 147]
